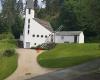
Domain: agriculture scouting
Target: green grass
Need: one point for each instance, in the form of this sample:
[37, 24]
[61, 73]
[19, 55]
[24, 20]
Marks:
[66, 55]
[7, 64]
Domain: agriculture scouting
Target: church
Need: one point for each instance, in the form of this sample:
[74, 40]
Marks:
[37, 31]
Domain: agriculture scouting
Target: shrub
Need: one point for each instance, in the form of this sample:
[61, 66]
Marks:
[9, 52]
[47, 46]
[6, 36]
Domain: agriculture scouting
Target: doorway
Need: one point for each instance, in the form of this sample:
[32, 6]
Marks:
[27, 44]
[75, 39]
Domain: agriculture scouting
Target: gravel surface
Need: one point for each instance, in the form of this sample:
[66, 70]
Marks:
[28, 66]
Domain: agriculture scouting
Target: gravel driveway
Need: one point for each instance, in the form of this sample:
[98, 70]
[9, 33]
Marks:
[28, 66]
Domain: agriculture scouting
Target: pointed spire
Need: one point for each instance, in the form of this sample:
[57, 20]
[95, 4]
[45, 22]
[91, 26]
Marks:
[30, 4]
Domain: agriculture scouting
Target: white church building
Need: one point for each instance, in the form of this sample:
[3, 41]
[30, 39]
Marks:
[37, 31]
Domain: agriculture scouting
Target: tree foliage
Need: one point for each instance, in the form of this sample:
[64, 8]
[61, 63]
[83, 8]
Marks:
[81, 15]
[10, 19]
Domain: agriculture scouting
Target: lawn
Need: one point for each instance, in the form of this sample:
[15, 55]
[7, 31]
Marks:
[66, 55]
[7, 64]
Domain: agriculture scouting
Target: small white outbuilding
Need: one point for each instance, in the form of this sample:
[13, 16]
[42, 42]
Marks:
[69, 37]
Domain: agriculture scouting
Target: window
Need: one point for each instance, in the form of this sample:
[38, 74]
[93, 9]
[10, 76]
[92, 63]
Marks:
[37, 35]
[45, 36]
[33, 35]
[26, 2]
[41, 36]
[28, 26]
[28, 20]
[28, 31]
[34, 43]
[62, 37]
[29, 11]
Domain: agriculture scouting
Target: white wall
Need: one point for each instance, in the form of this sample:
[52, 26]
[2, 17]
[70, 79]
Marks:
[69, 39]
[81, 38]
[37, 29]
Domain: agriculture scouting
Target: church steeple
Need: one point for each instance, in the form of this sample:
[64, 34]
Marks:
[30, 8]
[30, 4]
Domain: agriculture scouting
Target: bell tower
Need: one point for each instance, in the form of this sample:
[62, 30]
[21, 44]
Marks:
[30, 8]
[29, 16]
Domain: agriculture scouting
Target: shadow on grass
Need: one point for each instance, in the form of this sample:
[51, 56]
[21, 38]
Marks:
[65, 62]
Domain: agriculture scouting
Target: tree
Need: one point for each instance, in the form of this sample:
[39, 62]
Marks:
[11, 20]
[8, 12]
[95, 10]
[17, 28]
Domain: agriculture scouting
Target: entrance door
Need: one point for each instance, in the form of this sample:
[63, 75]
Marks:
[75, 39]
[51, 38]
[27, 44]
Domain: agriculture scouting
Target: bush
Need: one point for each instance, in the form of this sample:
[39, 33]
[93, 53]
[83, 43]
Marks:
[6, 36]
[9, 52]
[47, 46]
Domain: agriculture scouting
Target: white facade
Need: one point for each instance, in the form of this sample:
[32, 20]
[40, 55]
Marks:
[64, 39]
[81, 38]
[34, 33]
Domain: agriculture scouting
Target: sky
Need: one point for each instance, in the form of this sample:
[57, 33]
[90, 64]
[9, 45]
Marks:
[0, 6]
[39, 1]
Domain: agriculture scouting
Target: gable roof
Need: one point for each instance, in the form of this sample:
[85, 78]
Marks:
[45, 24]
[68, 33]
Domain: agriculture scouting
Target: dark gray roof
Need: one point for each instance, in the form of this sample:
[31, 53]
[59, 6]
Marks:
[68, 33]
[30, 4]
[45, 24]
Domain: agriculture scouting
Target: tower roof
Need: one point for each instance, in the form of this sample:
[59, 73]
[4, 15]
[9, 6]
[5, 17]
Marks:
[30, 4]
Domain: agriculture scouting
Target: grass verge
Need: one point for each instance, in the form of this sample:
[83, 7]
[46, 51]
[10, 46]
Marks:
[66, 55]
[7, 64]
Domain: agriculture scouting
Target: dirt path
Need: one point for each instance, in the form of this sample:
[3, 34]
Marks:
[27, 65]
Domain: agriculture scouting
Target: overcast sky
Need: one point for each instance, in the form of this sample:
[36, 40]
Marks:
[39, 2]
[41, 5]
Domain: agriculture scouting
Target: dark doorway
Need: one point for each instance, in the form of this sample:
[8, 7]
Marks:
[75, 39]
[51, 38]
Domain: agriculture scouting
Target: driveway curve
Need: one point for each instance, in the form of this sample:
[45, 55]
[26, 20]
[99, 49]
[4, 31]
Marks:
[28, 66]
